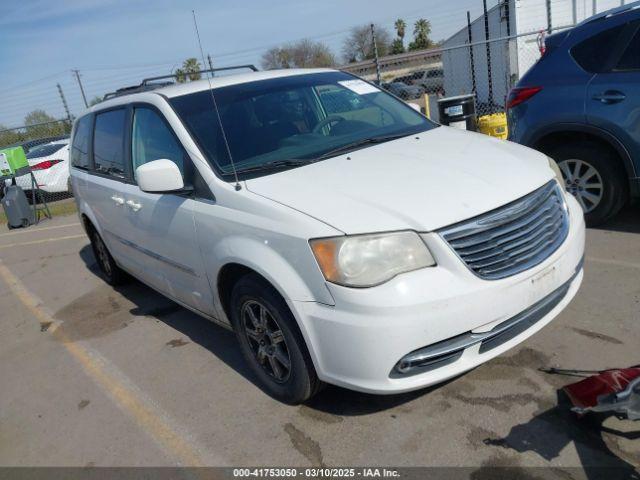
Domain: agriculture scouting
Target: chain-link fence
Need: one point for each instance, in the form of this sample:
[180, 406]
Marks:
[46, 145]
[488, 70]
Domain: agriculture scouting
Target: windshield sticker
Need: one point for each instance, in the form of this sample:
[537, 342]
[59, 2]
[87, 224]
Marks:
[358, 86]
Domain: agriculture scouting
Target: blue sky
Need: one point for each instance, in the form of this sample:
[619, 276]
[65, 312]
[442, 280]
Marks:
[115, 43]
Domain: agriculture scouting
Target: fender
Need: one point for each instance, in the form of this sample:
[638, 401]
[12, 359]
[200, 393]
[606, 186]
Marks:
[280, 273]
[591, 130]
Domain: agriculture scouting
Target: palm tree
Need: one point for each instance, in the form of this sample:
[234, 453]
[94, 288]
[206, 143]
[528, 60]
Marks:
[400, 27]
[421, 32]
[188, 71]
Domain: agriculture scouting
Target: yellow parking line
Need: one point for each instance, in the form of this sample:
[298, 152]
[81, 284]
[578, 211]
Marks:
[35, 230]
[148, 416]
[46, 240]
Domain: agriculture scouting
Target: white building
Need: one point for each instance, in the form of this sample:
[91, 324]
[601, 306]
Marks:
[515, 27]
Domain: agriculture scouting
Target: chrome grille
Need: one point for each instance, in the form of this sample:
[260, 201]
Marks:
[512, 238]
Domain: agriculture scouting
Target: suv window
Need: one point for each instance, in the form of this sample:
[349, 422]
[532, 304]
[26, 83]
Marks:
[594, 53]
[80, 147]
[108, 140]
[152, 139]
[631, 58]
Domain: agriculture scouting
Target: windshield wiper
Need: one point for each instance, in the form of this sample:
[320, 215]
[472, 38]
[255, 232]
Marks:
[293, 162]
[350, 147]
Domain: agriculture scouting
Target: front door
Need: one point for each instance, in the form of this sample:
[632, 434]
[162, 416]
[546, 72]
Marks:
[165, 236]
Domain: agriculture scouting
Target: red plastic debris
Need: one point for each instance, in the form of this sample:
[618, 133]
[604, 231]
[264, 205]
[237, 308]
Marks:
[585, 393]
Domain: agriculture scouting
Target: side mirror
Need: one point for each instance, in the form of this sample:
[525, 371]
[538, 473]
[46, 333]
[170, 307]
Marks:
[159, 176]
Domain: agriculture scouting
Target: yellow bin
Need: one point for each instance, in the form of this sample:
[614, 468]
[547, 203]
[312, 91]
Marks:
[494, 125]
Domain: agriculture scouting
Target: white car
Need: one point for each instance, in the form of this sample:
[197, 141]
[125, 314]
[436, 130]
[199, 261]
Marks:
[352, 242]
[50, 166]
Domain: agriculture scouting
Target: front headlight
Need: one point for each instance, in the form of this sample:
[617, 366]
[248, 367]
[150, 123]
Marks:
[369, 260]
[556, 169]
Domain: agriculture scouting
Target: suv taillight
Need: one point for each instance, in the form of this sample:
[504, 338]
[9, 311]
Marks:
[519, 95]
[45, 165]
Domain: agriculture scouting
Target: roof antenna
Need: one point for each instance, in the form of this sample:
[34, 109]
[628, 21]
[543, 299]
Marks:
[215, 106]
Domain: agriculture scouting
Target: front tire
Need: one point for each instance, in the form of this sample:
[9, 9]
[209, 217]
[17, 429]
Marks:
[112, 274]
[592, 175]
[271, 342]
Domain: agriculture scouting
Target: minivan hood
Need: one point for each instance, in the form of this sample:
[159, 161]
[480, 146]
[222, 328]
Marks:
[422, 182]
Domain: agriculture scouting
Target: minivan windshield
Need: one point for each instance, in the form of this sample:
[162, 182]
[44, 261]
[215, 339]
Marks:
[290, 121]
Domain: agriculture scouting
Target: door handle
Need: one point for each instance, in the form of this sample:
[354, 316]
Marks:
[610, 96]
[133, 205]
[118, 200]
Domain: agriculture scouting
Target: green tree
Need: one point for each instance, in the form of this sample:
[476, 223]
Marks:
[397, 46]
[95, 100]
[301, 54]
[400, 27]
[40, 124]
[358, 45]
[421, 32]
[188, 71]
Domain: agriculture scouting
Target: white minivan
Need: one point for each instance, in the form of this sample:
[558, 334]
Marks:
[342, 235]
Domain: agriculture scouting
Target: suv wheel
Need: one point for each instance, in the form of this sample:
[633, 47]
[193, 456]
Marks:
[271, 341]
[111, 272]
[592, 175]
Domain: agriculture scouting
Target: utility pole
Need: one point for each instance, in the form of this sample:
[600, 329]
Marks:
[84, 97]
[64, 104]
[210, 65]
[375, 53]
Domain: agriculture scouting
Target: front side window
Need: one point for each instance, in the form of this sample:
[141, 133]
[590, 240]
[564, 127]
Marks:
[152, 139]
[80, 146]
[297, 119]
[108, 142]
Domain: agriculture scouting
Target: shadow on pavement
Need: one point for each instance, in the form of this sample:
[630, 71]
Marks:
[216, 339]
[549, 432]
[628, 220]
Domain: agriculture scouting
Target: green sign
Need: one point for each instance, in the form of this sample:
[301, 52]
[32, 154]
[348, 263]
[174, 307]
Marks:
[12, 158]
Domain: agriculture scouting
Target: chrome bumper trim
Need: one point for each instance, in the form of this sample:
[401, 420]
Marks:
[448, 351]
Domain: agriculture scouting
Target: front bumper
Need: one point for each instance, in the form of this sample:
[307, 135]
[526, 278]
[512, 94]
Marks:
[358, 342]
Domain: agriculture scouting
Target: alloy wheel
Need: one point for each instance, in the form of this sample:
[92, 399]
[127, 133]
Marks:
[584, 182]
[266, 340]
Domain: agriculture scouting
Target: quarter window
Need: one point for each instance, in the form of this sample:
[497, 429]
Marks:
[153, 140]
[108, 151]
[631, 58]
[80, 146]
[593, 54]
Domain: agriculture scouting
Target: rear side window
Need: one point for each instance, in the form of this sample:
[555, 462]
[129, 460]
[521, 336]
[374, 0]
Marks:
[108, 142]
[80, 146]
[594, 54]
[631, 57]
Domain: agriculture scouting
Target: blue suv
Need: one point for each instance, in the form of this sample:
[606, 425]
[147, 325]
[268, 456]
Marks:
[580, 104]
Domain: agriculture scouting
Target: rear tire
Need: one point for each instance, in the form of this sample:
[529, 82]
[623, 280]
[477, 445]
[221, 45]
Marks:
[112, 274]
[593, 175]
[271, 342]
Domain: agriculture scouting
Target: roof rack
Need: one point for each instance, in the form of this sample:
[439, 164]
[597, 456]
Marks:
[147, 81]
[152, 83]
